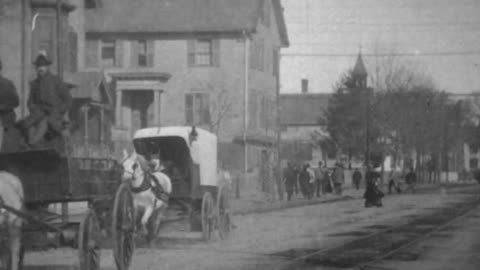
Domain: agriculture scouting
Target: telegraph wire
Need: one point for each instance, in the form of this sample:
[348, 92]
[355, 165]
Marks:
[459, 53]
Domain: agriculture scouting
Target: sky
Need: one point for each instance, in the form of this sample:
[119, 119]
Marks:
[438, 38]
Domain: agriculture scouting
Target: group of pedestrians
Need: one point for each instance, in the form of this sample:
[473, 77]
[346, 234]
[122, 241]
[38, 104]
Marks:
[311, 182]
[316, 181]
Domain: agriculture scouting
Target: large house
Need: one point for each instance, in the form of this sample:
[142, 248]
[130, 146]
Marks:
[208, 63]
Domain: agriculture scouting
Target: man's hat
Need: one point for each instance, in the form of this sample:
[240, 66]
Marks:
[42, 61]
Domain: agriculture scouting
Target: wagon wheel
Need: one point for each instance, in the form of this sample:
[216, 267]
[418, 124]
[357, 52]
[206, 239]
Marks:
[88, 242]
[207, 215]
[223, 213]
[123, 227]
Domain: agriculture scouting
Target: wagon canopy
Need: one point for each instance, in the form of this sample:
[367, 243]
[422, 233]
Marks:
[172, 143]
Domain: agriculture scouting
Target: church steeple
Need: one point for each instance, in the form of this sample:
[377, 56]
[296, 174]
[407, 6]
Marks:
[359, 72]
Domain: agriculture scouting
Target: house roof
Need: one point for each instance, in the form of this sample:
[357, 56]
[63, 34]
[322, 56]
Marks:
[303, 109]
[179, 16]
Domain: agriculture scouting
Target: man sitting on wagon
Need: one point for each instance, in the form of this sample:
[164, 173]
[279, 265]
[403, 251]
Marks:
[48, 102]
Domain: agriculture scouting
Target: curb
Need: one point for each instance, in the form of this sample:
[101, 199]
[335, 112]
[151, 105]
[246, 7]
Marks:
[273, 208]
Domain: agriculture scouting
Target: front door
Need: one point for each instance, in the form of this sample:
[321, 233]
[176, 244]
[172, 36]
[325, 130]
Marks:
[141, 105]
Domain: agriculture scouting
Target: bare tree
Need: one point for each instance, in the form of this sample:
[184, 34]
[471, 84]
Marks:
[221, 105]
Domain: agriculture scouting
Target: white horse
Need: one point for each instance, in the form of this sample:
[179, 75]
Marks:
[144, 197]
[11, 193]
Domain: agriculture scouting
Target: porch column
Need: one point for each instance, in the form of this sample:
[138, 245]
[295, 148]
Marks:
[102, 124]
[156, 107]
[118, 108]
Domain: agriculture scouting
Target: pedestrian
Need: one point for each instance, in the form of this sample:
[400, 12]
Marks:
[410, 180]
[10, 139]
[304, 179]
[48, 103]
[373, 195]
[319, 174]
[338, 178]
[296, 182]
[289, 178]
[327, 182]
[357, 177]
[311, 181]
[393, 183]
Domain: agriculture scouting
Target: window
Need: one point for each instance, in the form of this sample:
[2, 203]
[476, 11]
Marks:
[197, 109]
[264, 113]
[304, 85]
[203, 52]
[108, 53]
[72, 51]
[103, 53]
[253, 110]
[142, 53]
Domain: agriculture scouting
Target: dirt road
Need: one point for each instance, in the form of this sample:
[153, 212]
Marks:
[261, 241]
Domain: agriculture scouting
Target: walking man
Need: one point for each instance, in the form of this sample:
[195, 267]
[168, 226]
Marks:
[48, 102]
[289, 177]
[357, 177]
[338, 179]
[319, 173]
[410, 179]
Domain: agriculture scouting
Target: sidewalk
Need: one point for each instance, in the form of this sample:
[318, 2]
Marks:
[258, 203]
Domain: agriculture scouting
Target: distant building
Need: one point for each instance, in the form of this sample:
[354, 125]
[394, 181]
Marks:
[302, 118]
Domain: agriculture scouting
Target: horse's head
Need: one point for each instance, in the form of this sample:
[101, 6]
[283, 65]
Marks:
[133, 166]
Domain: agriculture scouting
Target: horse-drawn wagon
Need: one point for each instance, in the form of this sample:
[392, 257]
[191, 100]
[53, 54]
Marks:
[50, 178]
[189, 158]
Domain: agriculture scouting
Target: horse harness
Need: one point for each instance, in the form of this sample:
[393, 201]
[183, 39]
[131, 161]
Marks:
[150, 181]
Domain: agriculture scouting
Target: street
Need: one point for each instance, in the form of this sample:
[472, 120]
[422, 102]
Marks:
[271, 240]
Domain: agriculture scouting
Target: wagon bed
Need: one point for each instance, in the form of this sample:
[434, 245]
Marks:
[49, 177]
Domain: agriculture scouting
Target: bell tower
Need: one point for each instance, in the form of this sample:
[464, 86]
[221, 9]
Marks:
[359, 72]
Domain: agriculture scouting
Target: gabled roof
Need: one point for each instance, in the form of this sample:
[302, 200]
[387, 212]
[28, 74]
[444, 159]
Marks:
[303, 109]
[180, 16]
[359, 69]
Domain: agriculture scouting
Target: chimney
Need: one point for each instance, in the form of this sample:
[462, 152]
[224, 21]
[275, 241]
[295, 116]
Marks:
[304, 86]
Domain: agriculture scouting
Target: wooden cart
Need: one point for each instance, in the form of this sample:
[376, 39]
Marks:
[51, 179]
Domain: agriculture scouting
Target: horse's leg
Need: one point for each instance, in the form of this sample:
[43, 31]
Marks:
[15, 245]
[146, 216]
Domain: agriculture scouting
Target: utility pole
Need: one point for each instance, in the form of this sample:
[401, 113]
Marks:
[59, 40]
[60, 75]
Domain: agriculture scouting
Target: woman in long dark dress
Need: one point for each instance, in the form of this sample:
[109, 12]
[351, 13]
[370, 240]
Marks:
[373, 195]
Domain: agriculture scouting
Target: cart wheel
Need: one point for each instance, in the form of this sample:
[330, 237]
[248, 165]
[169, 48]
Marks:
[223, 213]
[207, 215]
[88, 242]
[123, 227]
